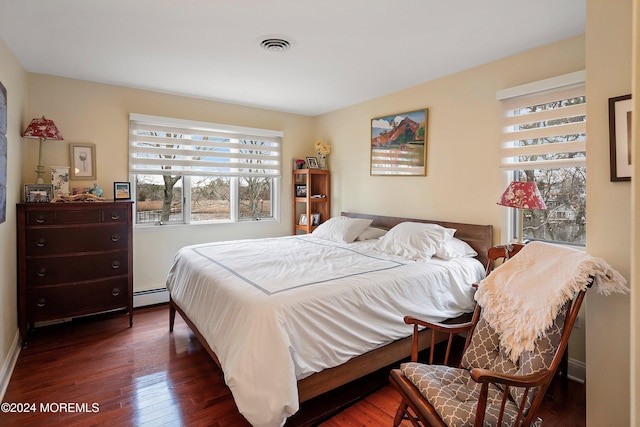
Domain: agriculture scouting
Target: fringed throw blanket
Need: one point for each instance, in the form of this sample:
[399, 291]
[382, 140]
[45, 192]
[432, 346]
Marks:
[521, 298]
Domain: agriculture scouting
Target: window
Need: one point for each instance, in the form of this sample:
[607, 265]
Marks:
[544, 140]
[189, 172]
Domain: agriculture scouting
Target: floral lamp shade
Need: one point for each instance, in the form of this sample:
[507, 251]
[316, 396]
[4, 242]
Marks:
[522, 195]
[42, 128]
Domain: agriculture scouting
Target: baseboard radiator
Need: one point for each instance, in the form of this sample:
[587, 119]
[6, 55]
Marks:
[150, 297]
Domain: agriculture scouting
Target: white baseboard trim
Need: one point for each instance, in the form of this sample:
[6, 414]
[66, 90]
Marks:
[150, 297]
[9, 364]
[577, 370]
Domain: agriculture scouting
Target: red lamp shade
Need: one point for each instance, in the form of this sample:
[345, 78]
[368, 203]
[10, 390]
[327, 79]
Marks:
[522, 195]
[42, 128]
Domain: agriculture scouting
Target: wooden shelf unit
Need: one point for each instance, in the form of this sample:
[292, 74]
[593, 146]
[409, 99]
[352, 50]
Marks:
[317, 182]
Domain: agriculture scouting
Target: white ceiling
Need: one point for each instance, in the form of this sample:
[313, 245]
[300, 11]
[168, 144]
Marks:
[344, 51]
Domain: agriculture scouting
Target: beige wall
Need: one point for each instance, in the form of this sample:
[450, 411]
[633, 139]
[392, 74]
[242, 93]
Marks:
[99, 114]
[14, 79]
[463, 180]
[608, 214]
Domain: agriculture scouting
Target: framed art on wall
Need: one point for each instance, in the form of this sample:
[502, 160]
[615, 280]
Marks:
[399, 144]
[83, 161]
[620, 137]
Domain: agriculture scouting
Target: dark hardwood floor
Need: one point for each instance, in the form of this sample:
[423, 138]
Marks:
[98, 371]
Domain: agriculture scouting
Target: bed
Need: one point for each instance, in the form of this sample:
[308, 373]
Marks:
[292, 317]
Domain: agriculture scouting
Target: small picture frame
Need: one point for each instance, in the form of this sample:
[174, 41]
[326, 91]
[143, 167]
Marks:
[303, 219]
[121, 190]
[38, 193]
[301, 190]
[312, 163]
[620, 137]
[83, 161]
[315, 219]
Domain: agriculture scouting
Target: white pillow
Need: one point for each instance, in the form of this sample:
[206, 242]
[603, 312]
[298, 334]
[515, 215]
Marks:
[371, 233]
[455, 248]
[341, 229]
[414, 240]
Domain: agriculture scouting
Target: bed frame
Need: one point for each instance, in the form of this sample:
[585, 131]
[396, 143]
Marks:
[479, 237]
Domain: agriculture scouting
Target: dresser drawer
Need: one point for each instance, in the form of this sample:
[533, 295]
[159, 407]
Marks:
[54, 240]
[74, 268]
[80, 215]
[52, 302]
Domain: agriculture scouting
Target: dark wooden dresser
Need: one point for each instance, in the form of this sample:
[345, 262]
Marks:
[74, 259]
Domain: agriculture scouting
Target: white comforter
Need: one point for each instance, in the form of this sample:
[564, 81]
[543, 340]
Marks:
[277, 310]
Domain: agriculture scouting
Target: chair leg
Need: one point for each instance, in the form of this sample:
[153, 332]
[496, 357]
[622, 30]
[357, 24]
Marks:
[400, 413]
[564, 366]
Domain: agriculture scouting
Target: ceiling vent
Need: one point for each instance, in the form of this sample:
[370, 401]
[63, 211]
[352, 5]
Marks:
[274, 44]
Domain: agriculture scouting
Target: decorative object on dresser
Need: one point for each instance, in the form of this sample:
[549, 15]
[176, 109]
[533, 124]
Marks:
[42, 129]
[74, 259]
[83, 161]
[38, 193]
[311, 198]
[522, 196]
[60, 180]
[121, 190]
[399, 144]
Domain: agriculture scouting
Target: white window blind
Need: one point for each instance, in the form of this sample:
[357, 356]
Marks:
[167, 146]
[545, 130]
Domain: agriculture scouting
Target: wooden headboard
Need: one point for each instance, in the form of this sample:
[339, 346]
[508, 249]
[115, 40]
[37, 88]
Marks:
[479, 237]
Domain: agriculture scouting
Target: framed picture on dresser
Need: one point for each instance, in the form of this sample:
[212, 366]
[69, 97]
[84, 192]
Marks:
[121, 190]
[38, 193]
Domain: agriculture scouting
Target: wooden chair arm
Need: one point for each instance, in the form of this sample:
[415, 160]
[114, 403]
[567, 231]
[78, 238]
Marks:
[480, 375]
[486, 377]
[449, 328]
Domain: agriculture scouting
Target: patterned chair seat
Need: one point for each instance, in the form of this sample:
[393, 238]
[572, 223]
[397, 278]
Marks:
[454, 394]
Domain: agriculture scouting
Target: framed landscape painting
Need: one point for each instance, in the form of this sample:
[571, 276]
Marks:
[399, 144]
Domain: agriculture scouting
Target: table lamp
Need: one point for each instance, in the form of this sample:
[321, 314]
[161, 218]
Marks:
[522, 195]
[43, 129]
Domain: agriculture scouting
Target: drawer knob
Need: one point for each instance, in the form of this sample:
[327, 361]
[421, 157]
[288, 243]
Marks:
[115, 237]
[41, 302]
[41, 242]
[115, 264]
[42, 272]
[41, 218]
[115, 292]
[115, 216]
